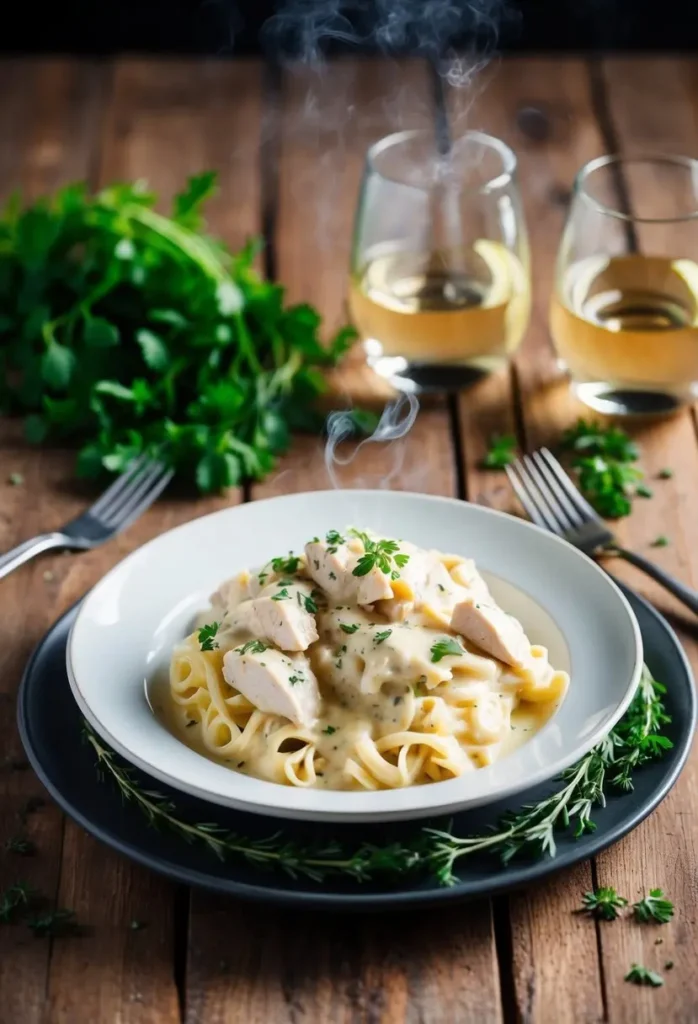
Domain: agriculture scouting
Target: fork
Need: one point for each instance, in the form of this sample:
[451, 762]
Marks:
[552, 501]
[126, 499]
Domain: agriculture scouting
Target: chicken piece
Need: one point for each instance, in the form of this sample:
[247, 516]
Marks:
[328, 566]
[332, 567]
[276, 683]
[491, 629]
[233, 591]
[279, 614]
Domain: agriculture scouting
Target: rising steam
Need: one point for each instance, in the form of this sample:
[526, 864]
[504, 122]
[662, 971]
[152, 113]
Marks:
[395, 423]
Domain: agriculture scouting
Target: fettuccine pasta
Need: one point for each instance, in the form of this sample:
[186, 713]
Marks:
[362, 663]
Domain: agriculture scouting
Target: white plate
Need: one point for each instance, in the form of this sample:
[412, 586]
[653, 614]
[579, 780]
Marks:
[129, 622]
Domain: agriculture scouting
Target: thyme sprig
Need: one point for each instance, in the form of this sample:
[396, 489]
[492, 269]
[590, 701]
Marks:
[530, 831]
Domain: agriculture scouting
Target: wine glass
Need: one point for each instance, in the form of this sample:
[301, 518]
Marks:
[624, 315]
[440, 279]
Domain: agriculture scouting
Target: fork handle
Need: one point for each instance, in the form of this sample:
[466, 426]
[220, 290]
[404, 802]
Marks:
[29, 549]
[685, 594]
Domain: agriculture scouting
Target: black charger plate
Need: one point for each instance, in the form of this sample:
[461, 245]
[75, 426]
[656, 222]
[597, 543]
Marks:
[51, 729]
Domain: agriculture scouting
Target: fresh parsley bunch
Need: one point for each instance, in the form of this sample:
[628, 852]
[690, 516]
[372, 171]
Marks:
[130, 331]
[604, 458]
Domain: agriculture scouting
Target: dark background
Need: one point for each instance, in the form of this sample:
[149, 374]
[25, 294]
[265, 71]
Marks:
[222, 27]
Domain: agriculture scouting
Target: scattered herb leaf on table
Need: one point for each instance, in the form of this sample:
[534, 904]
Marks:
[604, 459]
[126, 330]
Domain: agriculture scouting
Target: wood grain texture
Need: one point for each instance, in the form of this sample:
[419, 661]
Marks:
[164, 121]
[48, 112]
[543, 109]
[433, 967]
[655, 100]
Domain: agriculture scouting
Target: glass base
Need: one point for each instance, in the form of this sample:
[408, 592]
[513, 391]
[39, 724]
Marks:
[616, 400]
[430, 378]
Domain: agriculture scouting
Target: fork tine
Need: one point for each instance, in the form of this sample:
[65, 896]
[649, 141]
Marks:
[570, 490]
[139, 489]
[574, 515]
[136, 508]
[550, 499]
[114, 490]
[529, 498]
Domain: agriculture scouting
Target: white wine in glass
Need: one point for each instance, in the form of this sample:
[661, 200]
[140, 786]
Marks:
[624, 316]
[439, 287]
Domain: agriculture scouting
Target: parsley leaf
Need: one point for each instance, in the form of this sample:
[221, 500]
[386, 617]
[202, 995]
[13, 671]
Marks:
[252, 647]
[286, 566]
[378, 638]
[283, 595]
[383, 554]
[655, 907]
[501, 452]
[330, 730]
[349, 627]
[604, 458]
[660, 542]
[125, 331]
[447, 646]
[603, 902]
[334, 539]
[310, 603]
[206, 635]
[640, 975]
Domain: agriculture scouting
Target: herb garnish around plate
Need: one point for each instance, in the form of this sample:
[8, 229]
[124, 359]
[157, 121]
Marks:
[655, 907]
[127, 330]
[634, 741]
[662, 541]
[603, 902]
[604, 459]
[385, 554]
[206, 635]
[640, 975]
[445, 647]
[501, 452]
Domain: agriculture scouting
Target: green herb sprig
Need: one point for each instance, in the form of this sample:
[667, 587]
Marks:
[655, 907]
[603, 903]
[206, 636]
[604, 459]
[530, 831]
[383, 554]
[129, 331]
[640, 975]
[501, 452]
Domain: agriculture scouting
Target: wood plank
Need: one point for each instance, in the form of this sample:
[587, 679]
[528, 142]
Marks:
[426, 968]
[49, 113]
[543, 110]
[654, 101]
[165, 121]
[437, 967]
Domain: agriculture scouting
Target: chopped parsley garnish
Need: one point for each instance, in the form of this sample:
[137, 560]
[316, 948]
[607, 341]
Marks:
[604, 459]
[349, 627]
[640, 975]
[603, 902]
[383, 635]
[660, 542]
[643, 491]
[330, 730]
[441, 587]
[310, 603]
[333, 575]
[206, 635]
[655, 907]
[447, 646]
[253, 647]
[666, 473]
[501, 452]
[286, 566]
[296, 679]
[334, 539]
[379, 553]
[285, 583]
[16, 479]
[283, 595]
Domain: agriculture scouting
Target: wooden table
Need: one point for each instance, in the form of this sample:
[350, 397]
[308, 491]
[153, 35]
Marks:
[289, 151]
